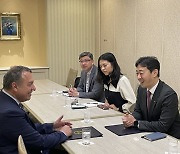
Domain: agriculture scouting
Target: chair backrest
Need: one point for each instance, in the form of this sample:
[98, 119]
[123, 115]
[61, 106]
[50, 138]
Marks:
[21, 146]
[71, 77]
[76, 82]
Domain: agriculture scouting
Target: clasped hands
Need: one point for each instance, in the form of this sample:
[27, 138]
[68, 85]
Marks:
[128, 120]
[73, 92]
[63, 126]
[111, 106]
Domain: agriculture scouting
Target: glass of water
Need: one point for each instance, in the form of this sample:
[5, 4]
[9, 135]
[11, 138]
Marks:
[67, 101]
[87, 117]
[86, 135]
[173, 146]
[54, 93]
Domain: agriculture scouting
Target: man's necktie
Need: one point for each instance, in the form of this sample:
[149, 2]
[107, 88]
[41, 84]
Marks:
[148, 99]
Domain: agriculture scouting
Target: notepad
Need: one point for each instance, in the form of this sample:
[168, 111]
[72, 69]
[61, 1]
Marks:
[77, 133]
[154, 136]
[120, 130]
[78, 106]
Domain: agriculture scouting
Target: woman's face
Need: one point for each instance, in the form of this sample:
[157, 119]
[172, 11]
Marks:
[106, 67]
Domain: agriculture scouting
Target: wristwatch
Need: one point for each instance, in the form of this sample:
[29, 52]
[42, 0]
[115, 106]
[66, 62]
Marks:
[136, 124]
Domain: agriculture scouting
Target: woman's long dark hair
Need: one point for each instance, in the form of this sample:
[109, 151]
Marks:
[115, 75]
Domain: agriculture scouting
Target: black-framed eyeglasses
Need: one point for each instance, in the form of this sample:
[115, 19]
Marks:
[85, 61]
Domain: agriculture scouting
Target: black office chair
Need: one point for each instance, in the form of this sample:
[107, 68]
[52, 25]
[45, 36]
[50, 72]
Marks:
[76, 82]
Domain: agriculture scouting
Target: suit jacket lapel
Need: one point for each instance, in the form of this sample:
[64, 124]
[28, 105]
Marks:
[91, 76]
[85, 77]
[144, 102]
[155, 98]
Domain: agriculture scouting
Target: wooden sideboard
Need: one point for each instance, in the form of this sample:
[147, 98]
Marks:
[38, 72]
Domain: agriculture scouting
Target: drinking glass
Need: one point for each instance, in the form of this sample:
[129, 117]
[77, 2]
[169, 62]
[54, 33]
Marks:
[173, 146]
[86, 135]
[87, 117]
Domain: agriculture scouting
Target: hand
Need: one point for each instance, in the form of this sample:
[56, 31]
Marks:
[73, 92]
[66, 130]
[128, 120]
[112, 106]
[60, 123]
[106, 104]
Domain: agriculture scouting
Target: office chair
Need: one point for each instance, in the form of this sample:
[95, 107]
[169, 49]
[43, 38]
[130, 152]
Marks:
[71, 77]
[76, 82]
[21, 146]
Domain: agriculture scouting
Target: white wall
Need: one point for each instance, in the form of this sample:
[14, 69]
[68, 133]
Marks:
[142, 28]
[128, 28]
[71, 30]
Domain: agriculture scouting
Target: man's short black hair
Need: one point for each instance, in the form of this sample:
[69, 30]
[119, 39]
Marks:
[86, 53]
[14, 75]
[150, 62]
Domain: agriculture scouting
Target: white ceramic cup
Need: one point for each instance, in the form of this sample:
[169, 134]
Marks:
[86, 135]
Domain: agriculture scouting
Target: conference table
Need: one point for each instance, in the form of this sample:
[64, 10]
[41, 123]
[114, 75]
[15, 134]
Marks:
[47, 108]
[112, 143]
[48, 103]
[47, 86]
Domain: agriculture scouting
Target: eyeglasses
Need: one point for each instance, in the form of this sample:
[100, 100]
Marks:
[84, 61]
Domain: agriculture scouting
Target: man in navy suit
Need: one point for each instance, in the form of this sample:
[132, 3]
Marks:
[18, 84]
[88, 86]
[156, 107]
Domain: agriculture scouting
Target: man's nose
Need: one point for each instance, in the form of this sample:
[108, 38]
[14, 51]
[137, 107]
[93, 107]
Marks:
[138, 76]
[34, 88]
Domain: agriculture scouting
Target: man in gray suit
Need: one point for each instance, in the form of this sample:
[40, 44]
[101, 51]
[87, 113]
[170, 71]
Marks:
[156, 107]
[88, 86]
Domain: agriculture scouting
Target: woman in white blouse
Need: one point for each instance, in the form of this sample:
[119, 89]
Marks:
[118, 91]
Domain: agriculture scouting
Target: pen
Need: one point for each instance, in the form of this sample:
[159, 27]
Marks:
[70, 85]
[92, 103]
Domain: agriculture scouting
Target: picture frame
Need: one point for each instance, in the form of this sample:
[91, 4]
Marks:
[10, 26]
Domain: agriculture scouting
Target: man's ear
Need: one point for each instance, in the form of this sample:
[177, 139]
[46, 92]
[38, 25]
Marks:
[155, 72]
[14, 86]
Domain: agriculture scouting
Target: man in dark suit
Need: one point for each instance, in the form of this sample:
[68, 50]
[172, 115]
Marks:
[156, 107]
[88, 86]
[18, 84]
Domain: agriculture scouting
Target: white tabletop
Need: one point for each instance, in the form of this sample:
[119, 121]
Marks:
[111, 143]
[47, 87]
[47, 108]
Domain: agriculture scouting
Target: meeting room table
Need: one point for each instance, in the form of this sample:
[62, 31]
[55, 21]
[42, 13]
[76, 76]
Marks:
[48, 107]
[112, 143]
[46, 86]
[49, 102]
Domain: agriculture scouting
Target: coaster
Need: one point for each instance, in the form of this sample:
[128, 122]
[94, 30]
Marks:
[170, 153]
[81, 143]
[136, 139]
[87, 122]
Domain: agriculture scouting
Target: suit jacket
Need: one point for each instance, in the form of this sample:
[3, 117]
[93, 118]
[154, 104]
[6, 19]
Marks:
[96, 89]
[163, 115]
[14, 122]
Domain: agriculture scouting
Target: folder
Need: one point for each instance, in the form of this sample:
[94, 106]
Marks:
[77, 133]
[120, 130]
[154, 136]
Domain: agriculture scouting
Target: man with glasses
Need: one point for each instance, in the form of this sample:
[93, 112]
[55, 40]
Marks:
[88, 86]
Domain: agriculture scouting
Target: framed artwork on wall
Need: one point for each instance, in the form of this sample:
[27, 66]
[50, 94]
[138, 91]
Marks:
[10, 26]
